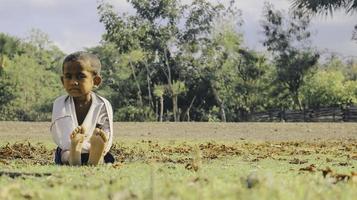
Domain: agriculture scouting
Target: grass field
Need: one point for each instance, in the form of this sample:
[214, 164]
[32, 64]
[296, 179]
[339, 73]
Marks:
[188, 161]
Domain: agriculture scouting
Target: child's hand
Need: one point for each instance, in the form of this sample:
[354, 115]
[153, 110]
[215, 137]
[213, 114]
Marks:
[100, 126]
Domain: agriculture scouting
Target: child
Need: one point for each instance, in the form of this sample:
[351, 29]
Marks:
[82, 121]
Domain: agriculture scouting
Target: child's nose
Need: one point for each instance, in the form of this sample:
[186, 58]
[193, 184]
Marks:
[74, 82]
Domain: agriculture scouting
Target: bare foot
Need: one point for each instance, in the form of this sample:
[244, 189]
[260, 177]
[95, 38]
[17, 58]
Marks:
[77, 138]
[97, 144]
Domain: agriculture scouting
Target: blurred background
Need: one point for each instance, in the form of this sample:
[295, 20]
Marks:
[189, 60]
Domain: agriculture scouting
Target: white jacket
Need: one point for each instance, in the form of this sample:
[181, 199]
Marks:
[64, 121]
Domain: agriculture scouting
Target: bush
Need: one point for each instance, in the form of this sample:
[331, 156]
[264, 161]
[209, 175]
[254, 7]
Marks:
[134, 113]
[328, 88]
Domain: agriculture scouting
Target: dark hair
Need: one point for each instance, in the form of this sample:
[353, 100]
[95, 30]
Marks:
[84, 56]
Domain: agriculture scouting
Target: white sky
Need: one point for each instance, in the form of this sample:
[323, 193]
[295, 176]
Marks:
[74, 24]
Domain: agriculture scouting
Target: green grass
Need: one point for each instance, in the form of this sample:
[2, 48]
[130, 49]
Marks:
[146, 170]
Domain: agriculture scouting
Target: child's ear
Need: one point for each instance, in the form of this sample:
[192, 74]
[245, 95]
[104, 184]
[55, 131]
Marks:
[62, 80]
[97, 80]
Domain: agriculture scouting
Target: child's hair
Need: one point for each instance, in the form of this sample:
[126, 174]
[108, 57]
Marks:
[87, 57]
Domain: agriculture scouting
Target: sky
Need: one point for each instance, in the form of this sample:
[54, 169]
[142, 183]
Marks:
[74, 24]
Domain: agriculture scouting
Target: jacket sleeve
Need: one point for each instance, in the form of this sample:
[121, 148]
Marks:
[61, 124]
[108, 125]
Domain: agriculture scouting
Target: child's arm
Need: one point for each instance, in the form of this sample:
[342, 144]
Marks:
[105, 124]
[61, 123]
[60, 131]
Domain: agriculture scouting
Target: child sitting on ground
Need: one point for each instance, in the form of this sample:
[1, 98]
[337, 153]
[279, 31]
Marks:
[82, 121]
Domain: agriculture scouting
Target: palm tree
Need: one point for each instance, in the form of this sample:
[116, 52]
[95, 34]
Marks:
[177, 87]
[325, 6]
[159, 91]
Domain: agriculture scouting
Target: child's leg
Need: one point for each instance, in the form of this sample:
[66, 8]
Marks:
[77, 138]
[98, 142]
[65, 157]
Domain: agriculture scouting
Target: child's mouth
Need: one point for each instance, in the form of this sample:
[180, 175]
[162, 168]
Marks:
[74, 90]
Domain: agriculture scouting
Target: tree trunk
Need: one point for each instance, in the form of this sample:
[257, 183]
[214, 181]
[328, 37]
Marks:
[189, 108]
[161, 107]
[148, 79]
[219, 101]
[174, 107]
[137, 84]
[2, 61]
[169, 83]
[297, 100]
[156, 110]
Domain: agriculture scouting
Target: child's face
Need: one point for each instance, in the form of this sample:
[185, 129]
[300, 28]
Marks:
[77, 80]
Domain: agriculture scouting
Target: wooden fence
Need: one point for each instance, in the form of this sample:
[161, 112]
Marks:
[328, 114]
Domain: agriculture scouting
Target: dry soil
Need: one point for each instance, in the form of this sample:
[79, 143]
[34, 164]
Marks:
[198, 131]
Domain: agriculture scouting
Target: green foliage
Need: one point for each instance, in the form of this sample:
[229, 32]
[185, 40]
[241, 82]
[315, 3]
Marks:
[287, 40]
[117, 83]
[7, 95]
[178, 87]
[28, 81]
[175, 61]
[9, 45]
[327, 7]
[134, 113]
[235, 74]
[323, 6]
[39, 47]
[213, 115]
[348, 67]
[328, 88]
[156, 30]
[34, 88]
[159, 90]
[142, 43]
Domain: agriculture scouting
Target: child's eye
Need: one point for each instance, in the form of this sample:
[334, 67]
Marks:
[82, 76]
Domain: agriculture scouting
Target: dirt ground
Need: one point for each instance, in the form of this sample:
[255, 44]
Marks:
[198, 131]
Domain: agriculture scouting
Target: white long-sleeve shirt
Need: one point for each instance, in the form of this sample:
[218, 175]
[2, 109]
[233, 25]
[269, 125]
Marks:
[64, 121]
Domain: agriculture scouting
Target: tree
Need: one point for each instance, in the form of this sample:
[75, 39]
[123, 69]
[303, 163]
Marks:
[9, 47]
[235, 74]
[28, 86]
[203, 53]
[124, 81]
[131, 59]
[39, 46]
[151, 30]
[177, 87]
[116, 84]
[7, 95]
[33, 89]
[159, 91]
[287, 40]
[326, 7]
[162, 29]
[328, 87]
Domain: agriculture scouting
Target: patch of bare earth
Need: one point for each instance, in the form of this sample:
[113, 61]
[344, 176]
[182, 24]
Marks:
[250, 141]
[182, 153]
[199, 131]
